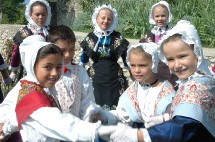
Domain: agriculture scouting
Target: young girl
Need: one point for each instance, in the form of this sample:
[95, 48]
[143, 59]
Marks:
[5, 76]
[104, 46]
[38, 15]
[193, 107]
[160, 16]
[147, 96]
[37, 110]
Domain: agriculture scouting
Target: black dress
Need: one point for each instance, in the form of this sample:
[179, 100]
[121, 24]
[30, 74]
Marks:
[108, 80]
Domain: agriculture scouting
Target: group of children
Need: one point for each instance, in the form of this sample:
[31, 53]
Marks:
[57, 100]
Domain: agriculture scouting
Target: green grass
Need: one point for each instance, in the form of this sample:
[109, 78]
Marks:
[133, 17]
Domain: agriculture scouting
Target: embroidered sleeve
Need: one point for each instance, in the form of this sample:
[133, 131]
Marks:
[88, 45]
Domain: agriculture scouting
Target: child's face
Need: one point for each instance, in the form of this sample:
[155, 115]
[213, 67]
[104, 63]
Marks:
[48, 70]
[181, 59]
[68, 49]
[39, 15]
[141, 67]
[104, 19]
[160, 16]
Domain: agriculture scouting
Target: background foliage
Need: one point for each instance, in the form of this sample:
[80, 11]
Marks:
[13, 12]
[133, 16]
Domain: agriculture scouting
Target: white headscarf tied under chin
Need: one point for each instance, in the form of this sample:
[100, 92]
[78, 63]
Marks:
[31, 24]
[189, 36]
[151, 20]
[150, 48]
[97, 30]
[28, 52]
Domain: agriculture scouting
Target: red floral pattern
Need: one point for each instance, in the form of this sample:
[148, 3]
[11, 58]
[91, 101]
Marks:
[195, 93]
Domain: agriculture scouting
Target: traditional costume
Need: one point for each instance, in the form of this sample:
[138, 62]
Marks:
[156, 35]
[193, 107]
[75, 92]
[141, 101]
[37, 109]
[30, 29]
[105, 48]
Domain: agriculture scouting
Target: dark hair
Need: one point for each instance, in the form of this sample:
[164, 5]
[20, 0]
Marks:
[37, 3]
[61, 32]
[46, 50]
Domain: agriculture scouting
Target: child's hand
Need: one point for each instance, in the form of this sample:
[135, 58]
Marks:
[98, 115]
[156, 120]
[7, 81]
[13, 76]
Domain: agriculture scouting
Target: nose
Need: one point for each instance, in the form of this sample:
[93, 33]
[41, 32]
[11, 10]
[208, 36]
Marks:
[177, 64]
[137, 69]
[55, 72]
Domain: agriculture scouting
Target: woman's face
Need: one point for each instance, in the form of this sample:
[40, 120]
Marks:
[104, 19]
[48, 70]
[39, 15]
[181, 59]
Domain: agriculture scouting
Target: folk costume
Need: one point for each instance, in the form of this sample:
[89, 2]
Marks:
[42, 119]
[30, 29]
[142, 101]
[192, 109]
[105, 48]
[156, 35]
[75, 92]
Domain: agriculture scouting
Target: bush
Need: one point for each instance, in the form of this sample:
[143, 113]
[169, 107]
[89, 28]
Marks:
[133, 16]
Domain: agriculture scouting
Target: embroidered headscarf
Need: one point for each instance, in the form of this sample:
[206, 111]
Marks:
[28, 52]
[31, 24]
[151, 20]
[150, 48]
[189, 36]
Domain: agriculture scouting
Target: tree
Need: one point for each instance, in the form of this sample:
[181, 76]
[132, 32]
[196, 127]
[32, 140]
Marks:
[12, 11]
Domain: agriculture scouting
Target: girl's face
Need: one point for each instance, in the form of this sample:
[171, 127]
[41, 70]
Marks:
[181, 59]
[68, 49]
[104, 19]
[160, 15]
[39, 15]
[48, 70]
[141, 67]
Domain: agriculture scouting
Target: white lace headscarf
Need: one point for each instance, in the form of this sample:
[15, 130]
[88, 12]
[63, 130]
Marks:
[97, 30]
[28, 52]
[31, 24]
[191, 37]
[150, 48]
[151, 20]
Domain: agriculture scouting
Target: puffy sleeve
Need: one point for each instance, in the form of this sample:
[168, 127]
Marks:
[51, 122]
[178, 129]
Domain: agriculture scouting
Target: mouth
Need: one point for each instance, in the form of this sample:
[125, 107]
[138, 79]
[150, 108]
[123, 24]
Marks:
[181, 71]
[138, 77]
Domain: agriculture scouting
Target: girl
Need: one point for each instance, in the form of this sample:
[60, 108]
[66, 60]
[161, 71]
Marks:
[147, 97]
[37, 110]
[38, 15]
[193, 107]
[160, 16]
[104, 46]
